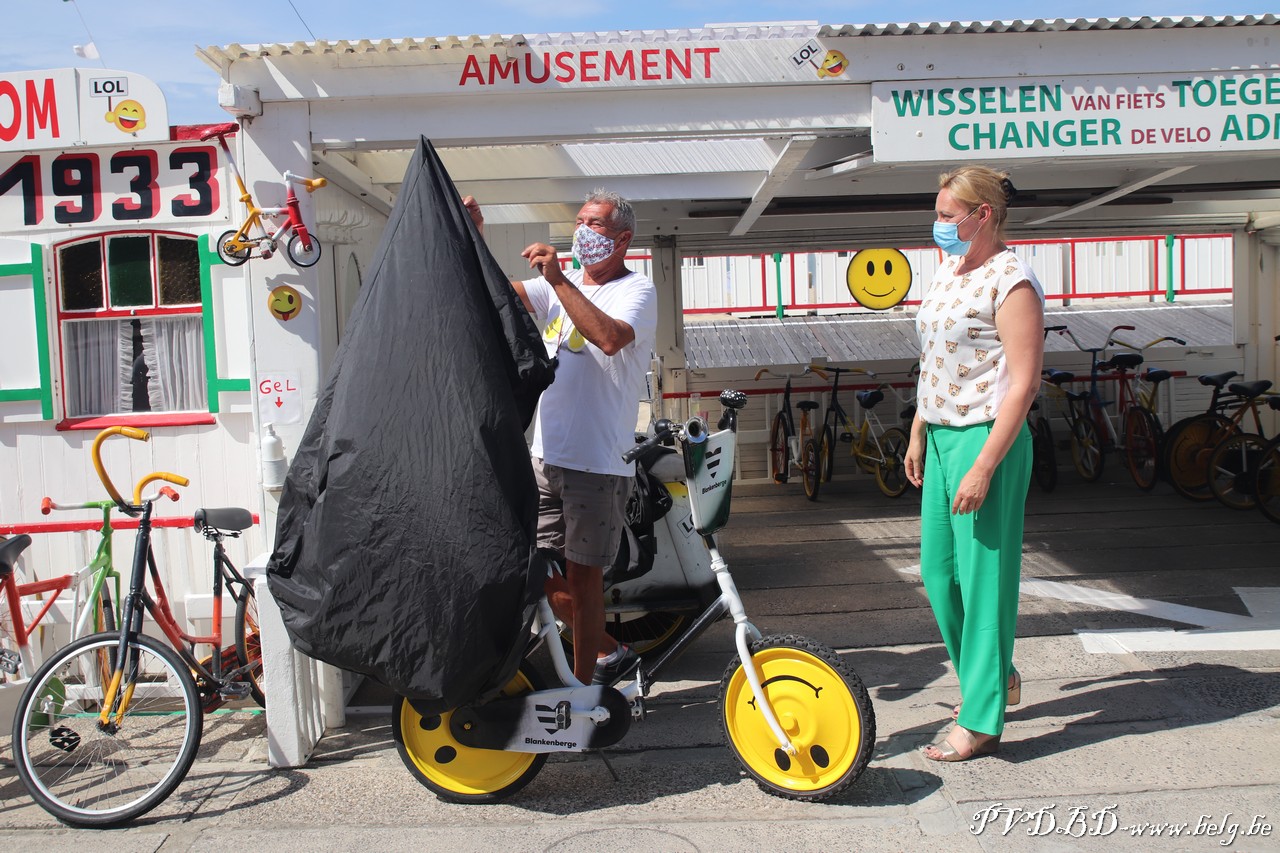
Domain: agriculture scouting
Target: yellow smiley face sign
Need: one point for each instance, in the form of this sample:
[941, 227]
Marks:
[878, 278]
[284, 302]
[128, 116]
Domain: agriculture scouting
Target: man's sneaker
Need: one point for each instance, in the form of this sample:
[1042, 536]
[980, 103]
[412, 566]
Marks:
[611, 673]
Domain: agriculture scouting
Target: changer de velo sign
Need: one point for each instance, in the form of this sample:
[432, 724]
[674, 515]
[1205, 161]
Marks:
[1122, 115]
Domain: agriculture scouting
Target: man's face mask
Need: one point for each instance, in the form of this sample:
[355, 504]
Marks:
[591, 247]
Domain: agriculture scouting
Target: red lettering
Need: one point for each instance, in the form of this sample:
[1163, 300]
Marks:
[673, 64]
[587, 59]
[564, 61]
[649, 65]
[41, 111]
[528, 69]
[8, 132]
[503, 69]
[706, 53]
[625, 68]
[471, 71]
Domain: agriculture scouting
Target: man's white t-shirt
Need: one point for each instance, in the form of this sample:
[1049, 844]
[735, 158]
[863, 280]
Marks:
[586, 419]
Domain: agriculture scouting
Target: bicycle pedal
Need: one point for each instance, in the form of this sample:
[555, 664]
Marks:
[64, 739]
[10, 661]
[235, 690]
[564, 715]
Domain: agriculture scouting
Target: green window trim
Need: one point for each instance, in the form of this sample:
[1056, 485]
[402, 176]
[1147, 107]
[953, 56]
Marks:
[216, 384]
[44, 393]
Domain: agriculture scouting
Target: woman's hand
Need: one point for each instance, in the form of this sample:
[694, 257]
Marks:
[973, 490]
[914, 460]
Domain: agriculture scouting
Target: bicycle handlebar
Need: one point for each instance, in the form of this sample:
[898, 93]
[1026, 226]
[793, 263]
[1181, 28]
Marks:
[662, 430]
[219, 130]
[176, 479]
[96, 451]
[310, 184]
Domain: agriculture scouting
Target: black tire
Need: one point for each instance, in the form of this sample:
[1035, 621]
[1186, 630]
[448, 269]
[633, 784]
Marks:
[891, 471]
[231, 257]
[827, 450]
[828, 711]
[1233, 470]
[1142, 447]
[1268, 481]
[1086, 450]
[779, 455]
[458, 773]
[249, 644]
[811, 469]
[1187, 449]
[87, 775]
[301, 255]
[1044, 457]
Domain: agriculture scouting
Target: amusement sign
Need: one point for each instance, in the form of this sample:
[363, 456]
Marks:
[1072, 117]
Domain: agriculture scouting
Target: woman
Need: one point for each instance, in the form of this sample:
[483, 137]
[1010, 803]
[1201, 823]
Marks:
[982, 344]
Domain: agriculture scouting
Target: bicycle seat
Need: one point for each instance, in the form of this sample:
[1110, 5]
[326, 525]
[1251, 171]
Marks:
[1125, 360]
[227, 519]
[1249, 390]
[806, 405]
[1057, 377]
[868, 399]
[1217, 380]
[1156, 375]
[9, 551]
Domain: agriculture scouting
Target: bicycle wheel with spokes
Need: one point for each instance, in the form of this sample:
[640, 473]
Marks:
[891, 468]
[459, 773]
[1267, 481]
[1086, 450]
[1142, 447]
[822, 706]
[1044, 458]
[811, 468]
[827, 450]
[249, 644]
[779, 461]
[1187, 449]
[1233, 470]
[89, 773]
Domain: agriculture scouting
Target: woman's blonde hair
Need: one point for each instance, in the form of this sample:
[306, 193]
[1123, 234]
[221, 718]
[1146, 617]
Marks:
[975, 185]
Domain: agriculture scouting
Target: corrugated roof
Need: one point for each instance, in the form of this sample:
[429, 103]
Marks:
[1046, 25]
[236, 51]
[863, 338]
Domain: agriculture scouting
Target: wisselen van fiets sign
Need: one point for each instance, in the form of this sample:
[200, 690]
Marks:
[1077, 116]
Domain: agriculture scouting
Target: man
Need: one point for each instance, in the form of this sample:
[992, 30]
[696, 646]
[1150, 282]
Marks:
[600, 321]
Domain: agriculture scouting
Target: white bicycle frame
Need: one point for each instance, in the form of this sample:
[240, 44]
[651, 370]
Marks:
[697, 511]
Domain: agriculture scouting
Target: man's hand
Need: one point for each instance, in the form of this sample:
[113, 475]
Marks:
[544, 259]
[473, 208]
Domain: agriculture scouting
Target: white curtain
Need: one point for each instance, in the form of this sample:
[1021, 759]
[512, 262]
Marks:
[98, 367]
[174, 353]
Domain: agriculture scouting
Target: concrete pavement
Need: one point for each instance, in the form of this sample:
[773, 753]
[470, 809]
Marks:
[1153, 744]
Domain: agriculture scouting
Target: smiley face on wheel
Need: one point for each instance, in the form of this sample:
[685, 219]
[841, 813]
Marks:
[878, 278]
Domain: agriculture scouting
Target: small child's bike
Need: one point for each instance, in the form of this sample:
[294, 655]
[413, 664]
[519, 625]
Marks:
[236, 247]
[794, 714]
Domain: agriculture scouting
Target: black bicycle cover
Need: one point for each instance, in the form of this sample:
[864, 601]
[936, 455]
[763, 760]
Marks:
[405, 540]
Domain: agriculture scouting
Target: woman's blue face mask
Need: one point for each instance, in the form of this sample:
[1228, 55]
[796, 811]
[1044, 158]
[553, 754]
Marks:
[944, 234]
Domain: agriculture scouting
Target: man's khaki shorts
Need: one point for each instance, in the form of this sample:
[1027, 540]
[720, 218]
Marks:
[581, 515]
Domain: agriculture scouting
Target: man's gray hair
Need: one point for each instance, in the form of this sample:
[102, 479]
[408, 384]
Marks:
[623, 217]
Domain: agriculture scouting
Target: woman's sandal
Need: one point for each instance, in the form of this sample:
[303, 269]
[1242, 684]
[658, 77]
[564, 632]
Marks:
[1013, 694]
[947, 752]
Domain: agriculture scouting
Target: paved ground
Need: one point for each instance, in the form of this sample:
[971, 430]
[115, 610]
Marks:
[1151, 724]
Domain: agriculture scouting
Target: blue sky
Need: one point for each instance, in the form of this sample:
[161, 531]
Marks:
[158, 38]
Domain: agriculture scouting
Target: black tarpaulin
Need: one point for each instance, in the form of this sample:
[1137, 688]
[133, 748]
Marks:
[405, 540]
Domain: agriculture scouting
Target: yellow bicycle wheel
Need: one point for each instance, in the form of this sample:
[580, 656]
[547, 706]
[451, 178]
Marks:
[820, 703]
[457, 773]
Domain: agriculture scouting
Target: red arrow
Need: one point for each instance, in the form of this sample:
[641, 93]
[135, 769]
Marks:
[278, 403]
